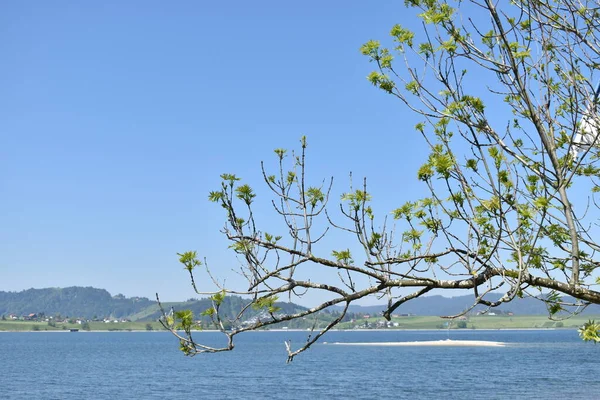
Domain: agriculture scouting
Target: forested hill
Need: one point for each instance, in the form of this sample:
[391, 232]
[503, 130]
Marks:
[439, 305]
[86, 302]
[89, 303]
[229, 309]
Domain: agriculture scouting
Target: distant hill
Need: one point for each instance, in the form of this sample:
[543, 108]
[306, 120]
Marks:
[439, 305]
[229, 309]
[89, 302]
[86, 302]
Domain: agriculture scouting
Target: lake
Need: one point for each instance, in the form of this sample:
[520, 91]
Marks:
[552, 364]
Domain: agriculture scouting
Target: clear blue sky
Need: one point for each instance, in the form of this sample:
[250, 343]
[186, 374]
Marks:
[116, 119]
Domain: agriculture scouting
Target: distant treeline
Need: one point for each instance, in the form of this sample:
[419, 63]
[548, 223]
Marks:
[84, 302]
[439, 305]
[91, 303]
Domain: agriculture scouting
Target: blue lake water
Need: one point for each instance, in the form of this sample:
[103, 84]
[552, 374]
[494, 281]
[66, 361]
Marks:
[148, 365]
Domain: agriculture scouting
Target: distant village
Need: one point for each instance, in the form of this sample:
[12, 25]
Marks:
[41, 317]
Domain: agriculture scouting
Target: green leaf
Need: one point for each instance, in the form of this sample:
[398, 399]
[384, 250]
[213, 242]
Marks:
[405, 211]
[541, 202]
[266, 302]
[208, 312]
[291, 177]
[185, 319]
[413, 87]
[425, 172]
[242, 246]
[218, 298]
[186, 347]
[382, 81]
[374, 241]
[472, 164]
[189, 260]
[426, 49]
[343, 256]
[402, 35]
[230, 178]
[555, 308]
[280, 153]
[315, 196]
[590, 332]
[215, 196]
[443, 164]
[371, 48]
[303, 141]
[356, 199]
[245, 193]
[437, 13]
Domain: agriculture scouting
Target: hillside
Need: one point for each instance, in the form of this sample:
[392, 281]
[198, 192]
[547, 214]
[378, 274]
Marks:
[229, 309]
[89, 302]
[86, 302]
[439, 305]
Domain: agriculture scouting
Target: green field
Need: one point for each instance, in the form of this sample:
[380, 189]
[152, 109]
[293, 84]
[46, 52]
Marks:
[20, 326]
[413, 322]
[477, 322]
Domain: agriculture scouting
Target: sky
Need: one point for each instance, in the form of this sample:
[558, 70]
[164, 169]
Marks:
[117, 118]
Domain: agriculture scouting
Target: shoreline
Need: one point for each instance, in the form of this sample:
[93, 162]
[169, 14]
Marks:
[302, 330]
[434, 343]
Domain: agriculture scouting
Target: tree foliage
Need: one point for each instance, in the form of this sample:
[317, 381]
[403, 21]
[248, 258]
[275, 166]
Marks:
[85, 302]
[502, 90]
